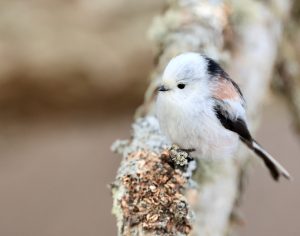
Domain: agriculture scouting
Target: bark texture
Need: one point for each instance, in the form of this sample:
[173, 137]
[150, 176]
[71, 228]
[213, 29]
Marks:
[150, 196]
[287, 80]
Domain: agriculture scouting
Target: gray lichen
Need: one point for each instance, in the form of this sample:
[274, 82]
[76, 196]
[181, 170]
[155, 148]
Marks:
[146, 135]
[178, 156]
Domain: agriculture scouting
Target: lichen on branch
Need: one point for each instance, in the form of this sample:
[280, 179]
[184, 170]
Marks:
[152, 196]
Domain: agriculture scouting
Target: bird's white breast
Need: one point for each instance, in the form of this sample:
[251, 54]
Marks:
[193, 124]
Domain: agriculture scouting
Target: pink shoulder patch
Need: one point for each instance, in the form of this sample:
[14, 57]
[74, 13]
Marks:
[226, 90]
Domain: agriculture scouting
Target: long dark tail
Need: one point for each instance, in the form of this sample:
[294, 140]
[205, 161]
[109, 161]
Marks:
[275, 168]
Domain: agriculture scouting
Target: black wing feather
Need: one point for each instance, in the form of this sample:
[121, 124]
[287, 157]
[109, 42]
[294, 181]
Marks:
[239, 126]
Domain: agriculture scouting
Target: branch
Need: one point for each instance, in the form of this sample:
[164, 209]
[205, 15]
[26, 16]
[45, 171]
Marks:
[151, 197]
[287, 80]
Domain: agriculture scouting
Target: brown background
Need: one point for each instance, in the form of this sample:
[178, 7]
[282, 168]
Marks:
[69, 92]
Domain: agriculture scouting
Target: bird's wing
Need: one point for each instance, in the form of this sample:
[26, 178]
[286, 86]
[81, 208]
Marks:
[229, 118]
[230, 110]
[232, 116]
[229, 101]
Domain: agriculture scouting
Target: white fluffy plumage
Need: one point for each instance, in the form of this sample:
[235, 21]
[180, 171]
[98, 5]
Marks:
[187, 116]
[199, 107]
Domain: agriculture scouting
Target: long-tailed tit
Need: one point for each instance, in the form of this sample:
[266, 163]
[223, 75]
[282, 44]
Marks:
[199, 107]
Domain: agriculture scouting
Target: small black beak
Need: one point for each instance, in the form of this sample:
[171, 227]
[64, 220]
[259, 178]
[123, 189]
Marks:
[162, 88]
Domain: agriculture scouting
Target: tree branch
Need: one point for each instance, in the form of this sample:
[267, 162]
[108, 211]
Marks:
[287, 80]
[150, 196]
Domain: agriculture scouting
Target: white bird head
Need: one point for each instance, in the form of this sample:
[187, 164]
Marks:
[185, 75]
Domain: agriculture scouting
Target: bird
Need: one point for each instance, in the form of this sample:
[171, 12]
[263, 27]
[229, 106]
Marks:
[200, 108]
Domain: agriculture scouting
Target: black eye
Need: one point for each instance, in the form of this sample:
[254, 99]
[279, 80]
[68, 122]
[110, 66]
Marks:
[181, 86]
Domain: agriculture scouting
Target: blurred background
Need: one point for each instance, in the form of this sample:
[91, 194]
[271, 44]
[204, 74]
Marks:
[72, 73]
